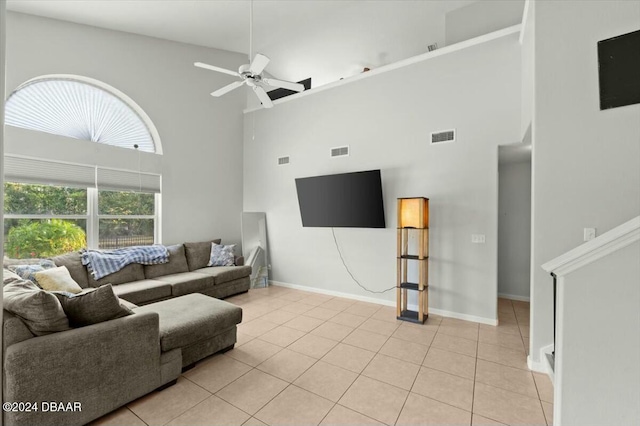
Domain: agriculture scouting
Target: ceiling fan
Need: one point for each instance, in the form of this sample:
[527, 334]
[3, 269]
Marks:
[252, 74]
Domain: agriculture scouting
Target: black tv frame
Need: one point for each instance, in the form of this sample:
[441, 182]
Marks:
[372, 205]
[619, 70]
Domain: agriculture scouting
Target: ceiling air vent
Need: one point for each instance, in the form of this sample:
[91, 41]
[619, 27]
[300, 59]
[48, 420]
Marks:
[283, 160]
[443, 136]
[341, 151]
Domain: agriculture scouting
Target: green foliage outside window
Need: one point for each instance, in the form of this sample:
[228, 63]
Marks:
[20, 198]
[125, 203]
[125, 231]
[114, 232]
[44, 238]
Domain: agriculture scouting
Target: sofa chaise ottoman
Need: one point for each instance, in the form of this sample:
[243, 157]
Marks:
[196, 324]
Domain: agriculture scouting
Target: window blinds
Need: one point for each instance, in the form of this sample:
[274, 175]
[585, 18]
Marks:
[78, 110]
[32, 170]
[125, 180]
[48, 172]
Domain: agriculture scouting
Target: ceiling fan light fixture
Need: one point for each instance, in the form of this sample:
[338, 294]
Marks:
[251, 74]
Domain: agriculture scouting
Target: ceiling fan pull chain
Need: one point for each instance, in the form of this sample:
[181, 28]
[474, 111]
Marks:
[250, 30]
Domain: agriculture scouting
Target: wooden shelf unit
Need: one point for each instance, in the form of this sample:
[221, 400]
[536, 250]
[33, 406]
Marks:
[413, 216]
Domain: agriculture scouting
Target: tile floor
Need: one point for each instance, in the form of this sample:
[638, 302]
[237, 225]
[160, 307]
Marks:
[308, 359]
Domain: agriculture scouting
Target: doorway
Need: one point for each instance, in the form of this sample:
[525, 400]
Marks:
[514, 221]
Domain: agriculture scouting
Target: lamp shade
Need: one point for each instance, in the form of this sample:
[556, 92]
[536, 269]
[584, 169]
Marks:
[413, 212]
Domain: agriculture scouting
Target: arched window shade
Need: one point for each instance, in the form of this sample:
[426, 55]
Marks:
[81, 108]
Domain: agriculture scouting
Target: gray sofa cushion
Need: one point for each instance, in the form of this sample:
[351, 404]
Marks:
[187, 282]
[127, 304]
[40, 310]
[222, 274]
[198, 254]
[14, 330]
[9, 276]
[130, 273]
[177, 263]
[192, 318]
[73, 262]
[92, 306]
[143, 291]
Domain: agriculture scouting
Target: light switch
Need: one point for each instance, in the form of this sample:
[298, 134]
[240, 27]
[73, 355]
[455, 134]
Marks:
[477, 238]
[589, 234]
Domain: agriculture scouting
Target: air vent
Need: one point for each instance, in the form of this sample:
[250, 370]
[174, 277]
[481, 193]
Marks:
[283, 160]
[443, 136]
[340, 151]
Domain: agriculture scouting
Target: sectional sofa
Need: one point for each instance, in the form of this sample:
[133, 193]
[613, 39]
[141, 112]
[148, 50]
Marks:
[185, 273]
[106, 365]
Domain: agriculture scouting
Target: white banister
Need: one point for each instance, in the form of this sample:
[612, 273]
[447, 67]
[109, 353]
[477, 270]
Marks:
[596, 322]
[615, 239]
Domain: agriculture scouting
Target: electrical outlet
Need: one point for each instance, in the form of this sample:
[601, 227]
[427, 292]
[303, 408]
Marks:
[589, 234]
[478, 238]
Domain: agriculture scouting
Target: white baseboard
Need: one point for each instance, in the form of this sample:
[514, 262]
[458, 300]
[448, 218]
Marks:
[514, 297]
[464, 317]
[537, 366]
[440, 312]
[334, 293]
[541, 366]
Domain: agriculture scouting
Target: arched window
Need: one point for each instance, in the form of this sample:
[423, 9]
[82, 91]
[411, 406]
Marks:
[103, 207]
[81, 108]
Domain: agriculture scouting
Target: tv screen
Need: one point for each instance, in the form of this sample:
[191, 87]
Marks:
[619, 70]
[349, 200]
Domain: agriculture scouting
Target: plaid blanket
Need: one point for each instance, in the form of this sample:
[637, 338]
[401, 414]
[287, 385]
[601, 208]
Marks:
[106, 262]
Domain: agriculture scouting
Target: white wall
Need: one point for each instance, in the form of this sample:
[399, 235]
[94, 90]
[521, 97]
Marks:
[386, 119]
[481, 17]
[597, 368]
[338, 39]
[586, 162]
[201, 136]
[528, 42]
[514, 229]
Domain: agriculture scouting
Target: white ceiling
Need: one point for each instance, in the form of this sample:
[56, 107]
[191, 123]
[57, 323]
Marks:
[324, 39]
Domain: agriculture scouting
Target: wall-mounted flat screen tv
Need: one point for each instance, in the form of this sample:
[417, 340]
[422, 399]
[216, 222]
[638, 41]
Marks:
[348, 200]
[619, 70]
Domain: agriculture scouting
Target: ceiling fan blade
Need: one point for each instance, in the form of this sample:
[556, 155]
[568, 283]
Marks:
[296, 87]
[227, 88]
[262, 95]
[214, 68]
[259, 63]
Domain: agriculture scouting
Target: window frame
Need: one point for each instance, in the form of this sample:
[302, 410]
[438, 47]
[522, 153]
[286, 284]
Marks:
[93, 217]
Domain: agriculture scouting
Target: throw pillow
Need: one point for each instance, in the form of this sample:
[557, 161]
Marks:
[40, 310]
[28, 272]
[92, 306]
[198, 254]
[57, 279]
[9, 276]
[221, 255]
